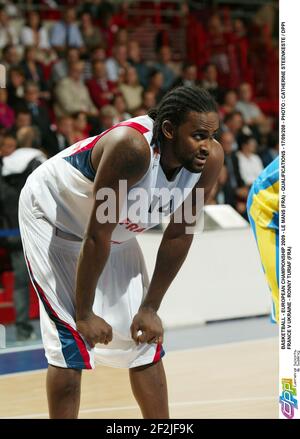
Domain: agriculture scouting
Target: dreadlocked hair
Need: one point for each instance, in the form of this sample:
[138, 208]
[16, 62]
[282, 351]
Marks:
[175, 106]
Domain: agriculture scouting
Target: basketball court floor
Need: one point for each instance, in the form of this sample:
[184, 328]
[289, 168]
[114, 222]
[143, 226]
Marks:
[237, 378]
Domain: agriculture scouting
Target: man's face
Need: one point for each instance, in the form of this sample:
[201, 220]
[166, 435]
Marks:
[134, 51]
[211, 73]
[100, 70]
[193, 140]
[8, 146]
[70, 15]
[227, 140]
[235, 123]
[32, 94]
[65, 126]
[165, 54]
[191, 73]
[149, 99]
[107, 121]
[251, 146]
[245, 92]
[73, 55]
[12, 56]
[121, 54]
[76, 71]
[23, 120]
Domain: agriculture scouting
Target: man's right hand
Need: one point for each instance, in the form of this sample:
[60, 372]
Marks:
[94, 329]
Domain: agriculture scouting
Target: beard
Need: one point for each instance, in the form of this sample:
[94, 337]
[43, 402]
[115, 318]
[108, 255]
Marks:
[191, 166]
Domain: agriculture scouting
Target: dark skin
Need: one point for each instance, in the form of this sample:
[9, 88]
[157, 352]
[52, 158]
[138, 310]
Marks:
[125, 155]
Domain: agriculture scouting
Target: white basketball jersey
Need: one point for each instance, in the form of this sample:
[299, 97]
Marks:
[62, 188]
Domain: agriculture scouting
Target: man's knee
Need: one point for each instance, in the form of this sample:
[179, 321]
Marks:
[64, 381]
[146, 366]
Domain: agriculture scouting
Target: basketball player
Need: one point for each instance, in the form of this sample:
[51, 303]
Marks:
[263, 212]
[96, 303]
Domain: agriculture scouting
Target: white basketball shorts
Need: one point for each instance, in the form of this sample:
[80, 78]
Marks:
[120, 291]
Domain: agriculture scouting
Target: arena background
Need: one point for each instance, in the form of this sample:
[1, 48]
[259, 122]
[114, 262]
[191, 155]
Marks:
[108, 61]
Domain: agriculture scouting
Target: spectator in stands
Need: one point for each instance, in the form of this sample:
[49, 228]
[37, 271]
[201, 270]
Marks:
[119, 104]
[22, 119]
[210, 81]
[234, 190]
[61, 67]
[131, 89]
[33, 33]
[217, 195]
[66, 33]
[117, 64]
[233, 122]
[250, 164]
[91, 34]
[148, 100]
[121, 37]
[97, 54]
[139, 112]
[8, 32]
[218, 45]
[7, 116]
[63, 134]
[72, 95]
[189, 75]
[241, 44]
[100, 88]
[16, 87]
[251, 112]
[80, 126]
[156, 80]
[108, 26]
[135, 60]
[10, 57]
[271, 151]
[28, 137]
[168, 68]
[39, 113]
[229, 103]
[11, 9]
[18, 163]
[265, 134]
[108, 116]
[33, 71]
[92, 7]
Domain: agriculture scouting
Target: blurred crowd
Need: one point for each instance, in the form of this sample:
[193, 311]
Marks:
[73, 72]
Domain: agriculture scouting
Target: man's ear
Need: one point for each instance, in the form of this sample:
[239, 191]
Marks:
[168, 130]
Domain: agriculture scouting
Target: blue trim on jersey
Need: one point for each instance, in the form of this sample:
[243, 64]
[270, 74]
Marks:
[249, 200]
[82, 162]
[274, 223]
[70, 349]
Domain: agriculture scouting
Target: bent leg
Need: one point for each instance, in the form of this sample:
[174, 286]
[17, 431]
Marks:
[63, 392]
[149, 387]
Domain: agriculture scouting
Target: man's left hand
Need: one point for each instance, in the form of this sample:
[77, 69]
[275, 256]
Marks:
[149, 323]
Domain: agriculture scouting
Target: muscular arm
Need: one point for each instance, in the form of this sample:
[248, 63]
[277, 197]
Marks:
[126, 157]
[176, 242]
